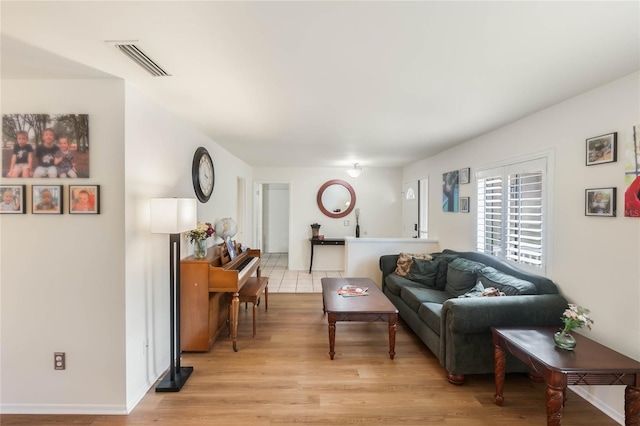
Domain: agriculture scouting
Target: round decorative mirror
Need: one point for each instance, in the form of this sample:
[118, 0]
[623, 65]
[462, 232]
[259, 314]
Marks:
[336, 198]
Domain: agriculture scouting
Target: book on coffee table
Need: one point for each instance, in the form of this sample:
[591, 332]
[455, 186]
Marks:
[352, 290]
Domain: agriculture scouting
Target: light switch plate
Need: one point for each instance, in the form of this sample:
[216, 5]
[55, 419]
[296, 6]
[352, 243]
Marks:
[346, 223]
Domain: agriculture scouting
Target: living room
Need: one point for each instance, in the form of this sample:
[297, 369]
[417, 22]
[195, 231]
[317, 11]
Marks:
[97, 285]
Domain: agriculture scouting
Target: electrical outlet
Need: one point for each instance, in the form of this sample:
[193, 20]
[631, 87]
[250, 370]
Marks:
[346, 223]
[59, 361]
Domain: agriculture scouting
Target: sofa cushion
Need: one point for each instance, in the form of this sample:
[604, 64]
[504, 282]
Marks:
[443, 265]
[423, 271]
[406, 259]
[416, 296]
[393, 283]
[430, 313]
[508, 284]
[462, 276]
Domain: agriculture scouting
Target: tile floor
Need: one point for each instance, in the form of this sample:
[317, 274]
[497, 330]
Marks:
[282, 280]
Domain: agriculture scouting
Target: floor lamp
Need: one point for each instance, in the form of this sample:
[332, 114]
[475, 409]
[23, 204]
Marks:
[173, 216]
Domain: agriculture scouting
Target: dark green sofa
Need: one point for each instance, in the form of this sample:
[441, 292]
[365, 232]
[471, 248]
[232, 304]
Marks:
[455, 326]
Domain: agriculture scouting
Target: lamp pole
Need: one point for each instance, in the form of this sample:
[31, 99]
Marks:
[173, 216]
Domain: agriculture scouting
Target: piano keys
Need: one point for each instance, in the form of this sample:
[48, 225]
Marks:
[230, 277]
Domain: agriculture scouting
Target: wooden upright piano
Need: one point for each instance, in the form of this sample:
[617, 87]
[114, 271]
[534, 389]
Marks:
[205, 288]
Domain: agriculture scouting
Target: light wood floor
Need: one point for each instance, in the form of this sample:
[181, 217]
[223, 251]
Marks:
[284, 376]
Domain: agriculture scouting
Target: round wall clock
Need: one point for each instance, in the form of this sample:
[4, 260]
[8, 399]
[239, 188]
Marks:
[202, 174]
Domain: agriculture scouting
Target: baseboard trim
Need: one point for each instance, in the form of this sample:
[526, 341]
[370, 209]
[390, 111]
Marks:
[62, 409]
[599, 404]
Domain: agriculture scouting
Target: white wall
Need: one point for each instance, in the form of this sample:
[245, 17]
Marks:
[594, 260]
[159, 153]
[97, 287]
[378, 195]
[63, 276]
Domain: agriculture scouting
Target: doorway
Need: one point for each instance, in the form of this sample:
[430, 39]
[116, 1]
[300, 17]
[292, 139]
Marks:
[272, 217]
[415, 208]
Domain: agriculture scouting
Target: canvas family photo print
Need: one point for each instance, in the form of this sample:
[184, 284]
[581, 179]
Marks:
[45, 145]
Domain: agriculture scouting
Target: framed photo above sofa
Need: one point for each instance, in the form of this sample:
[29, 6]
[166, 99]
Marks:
[600, 202]
[602, 149]
[464, 204]
[464, 175]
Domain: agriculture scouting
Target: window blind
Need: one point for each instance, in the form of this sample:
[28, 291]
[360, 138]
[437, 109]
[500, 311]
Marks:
[510, 212]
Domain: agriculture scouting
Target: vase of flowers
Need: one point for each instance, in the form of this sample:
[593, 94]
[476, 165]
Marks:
[357, 223]
[574, 317]
[198, 238]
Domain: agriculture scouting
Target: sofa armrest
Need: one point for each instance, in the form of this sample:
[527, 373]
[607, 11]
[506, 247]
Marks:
[479, 314]
[388, 264]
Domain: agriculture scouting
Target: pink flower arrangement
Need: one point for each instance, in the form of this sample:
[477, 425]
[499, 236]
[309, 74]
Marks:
[575, 317]
[202, 232]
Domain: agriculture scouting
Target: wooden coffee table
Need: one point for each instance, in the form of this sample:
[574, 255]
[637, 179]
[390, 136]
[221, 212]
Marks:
[590, 363]
[371, 308]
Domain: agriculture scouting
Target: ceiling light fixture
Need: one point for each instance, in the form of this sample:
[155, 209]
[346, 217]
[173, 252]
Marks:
[355, 172]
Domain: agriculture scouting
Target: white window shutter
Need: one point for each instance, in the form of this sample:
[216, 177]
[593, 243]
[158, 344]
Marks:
[510, 213]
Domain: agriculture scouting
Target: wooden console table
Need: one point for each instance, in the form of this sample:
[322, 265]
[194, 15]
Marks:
[324, 242]
[590, 363]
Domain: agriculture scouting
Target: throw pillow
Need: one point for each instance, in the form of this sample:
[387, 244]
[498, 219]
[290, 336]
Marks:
[423, 271]
[462, 276]
[508, 284]
[404, 262]
[443, 259]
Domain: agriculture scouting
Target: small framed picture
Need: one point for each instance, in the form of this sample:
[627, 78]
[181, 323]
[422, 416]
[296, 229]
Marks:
[464, 204]
[464, 175]
[84, 199]
[46, 199]
[231, 249]
[14, 199]
[600, 202]
[602, 149]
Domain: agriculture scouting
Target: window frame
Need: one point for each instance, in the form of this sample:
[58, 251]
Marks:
[511, 167]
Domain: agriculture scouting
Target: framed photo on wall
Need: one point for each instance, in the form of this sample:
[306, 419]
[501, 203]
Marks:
[46, 199]
[13, 199]
[450, 188]
[602, 149]
[464, 204]
[58, 145]
[464, 175]
[84, 199]
[600, 202]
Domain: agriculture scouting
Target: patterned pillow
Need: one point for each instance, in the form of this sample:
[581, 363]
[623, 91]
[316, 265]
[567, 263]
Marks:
[406, 259]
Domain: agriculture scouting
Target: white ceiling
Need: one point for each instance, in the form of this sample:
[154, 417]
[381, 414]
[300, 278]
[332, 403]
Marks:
[331, 83]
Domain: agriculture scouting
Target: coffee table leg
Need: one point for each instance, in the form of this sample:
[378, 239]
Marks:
[632, 405]
[556, 385]
[393, 318]
[332, 334]
[499, 359]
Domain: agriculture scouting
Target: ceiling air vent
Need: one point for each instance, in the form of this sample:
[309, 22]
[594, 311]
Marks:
[139, 57]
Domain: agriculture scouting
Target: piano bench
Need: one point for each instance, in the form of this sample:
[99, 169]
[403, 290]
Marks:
[251, 292]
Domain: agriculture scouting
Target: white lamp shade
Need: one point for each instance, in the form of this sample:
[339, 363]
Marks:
[173, 215]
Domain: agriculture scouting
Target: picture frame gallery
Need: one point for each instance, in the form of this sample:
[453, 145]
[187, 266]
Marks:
[50, 199]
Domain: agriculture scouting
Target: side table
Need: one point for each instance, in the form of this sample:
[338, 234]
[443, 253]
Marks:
[590, 363]
[323, 242]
